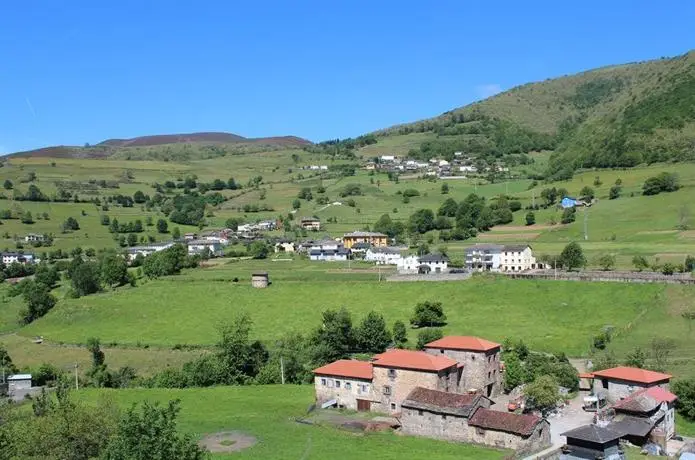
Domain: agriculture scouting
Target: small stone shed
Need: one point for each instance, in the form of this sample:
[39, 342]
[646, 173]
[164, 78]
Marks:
[260, 279]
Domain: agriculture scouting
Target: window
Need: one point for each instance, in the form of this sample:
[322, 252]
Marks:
[489, 359]
[387, 390]
[365, 387]
[604, 383]
[393, 406]
[348, 386]
[441, 351]
[337, 383]
[489, 375]
[473, 357]
[323, 382]
[419, 412]
[392, 373]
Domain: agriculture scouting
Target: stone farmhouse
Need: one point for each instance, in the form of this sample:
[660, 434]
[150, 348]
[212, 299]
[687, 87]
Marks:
[389, 377]
[646, 414]
[620, 382]
[501, 258]
[467, 418]
[480, 359]
[375, 239]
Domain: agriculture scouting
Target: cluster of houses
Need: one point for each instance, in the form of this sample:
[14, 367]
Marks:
[214, 242]
[12, 257]
[501, 258]
[460, 165]
[443, 392]
[447, 390]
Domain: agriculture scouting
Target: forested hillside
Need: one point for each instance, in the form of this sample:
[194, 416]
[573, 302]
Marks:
[615, 116]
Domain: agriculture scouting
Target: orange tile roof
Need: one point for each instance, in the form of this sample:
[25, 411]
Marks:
[416, 360]
[347, 368]
[632, 374]
[586, 375]
[460, 342]
[661, 394]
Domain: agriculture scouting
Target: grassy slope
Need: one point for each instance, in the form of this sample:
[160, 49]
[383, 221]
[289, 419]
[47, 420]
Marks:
[169, 312]
[268, 412]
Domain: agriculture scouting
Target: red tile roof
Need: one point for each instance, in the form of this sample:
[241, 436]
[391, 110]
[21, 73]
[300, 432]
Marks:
[441, 401]
[645, 400]
[504, 421]
[460, 342]
[417, 360]
[632, 374]
[347, 368]
[586, 375]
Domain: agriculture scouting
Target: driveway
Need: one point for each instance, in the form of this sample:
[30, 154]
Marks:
[568, 418]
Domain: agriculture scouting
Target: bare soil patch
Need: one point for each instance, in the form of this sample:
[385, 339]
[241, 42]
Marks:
[687, 234]
[519, 228]
[226, 442]
[658, 232]
[509, 236]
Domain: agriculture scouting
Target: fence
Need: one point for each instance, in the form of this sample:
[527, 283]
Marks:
[620, 277]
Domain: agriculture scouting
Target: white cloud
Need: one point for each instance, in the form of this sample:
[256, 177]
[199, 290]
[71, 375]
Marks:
[487, 90]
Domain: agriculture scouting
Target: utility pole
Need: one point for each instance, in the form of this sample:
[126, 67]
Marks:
[77, 382]
[282, 370]
[379, 269]
[586, 224]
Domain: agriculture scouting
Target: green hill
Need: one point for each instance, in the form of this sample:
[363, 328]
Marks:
[617, 116]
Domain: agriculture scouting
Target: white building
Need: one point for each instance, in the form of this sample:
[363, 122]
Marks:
[430, 263]
[469, 169]
[198, 246]
[147, 249]
[383, 256]
[387, 158]
[32, 237]
[12, 257]
[284, 246]
[19, 382]
[501, 258]
[328, 250]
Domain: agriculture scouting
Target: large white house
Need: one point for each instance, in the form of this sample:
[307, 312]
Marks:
[328, 250]
[383, 256]
[12, 257]
[147, 249]
[430, 263]
[198, 246]
[501, 258]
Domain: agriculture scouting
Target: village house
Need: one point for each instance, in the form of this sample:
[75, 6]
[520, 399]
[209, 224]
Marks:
[375, 239]
[17, 257]
[383, 256]
[147, 249]
[34, 237]
[345, 383]
[328, 250]
[467, 418]
[591, 442]
[190, 236]
[647, 413]
[430, 263]
[501, 258]
[284, 246]
[620, 382]
[198, 246]
[398, 372]
[360, 248]
[310, 223]
[480, 359]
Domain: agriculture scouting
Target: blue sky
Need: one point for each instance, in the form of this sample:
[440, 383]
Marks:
[76, 71]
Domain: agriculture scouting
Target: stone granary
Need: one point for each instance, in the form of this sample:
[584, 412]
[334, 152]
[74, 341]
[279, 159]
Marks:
[260, 279]
[467, 418]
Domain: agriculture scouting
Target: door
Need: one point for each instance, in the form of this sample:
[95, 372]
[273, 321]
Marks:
[364, 405]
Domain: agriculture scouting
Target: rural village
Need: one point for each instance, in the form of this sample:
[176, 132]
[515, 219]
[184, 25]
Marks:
[418, 249]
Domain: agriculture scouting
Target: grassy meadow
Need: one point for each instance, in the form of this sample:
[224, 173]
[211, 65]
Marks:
[268, 413]
[187, 311]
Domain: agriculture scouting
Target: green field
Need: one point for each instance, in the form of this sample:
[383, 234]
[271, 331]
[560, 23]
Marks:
[169, 312]
[268, 413]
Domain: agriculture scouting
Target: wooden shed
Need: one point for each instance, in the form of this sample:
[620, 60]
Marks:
[260, 279]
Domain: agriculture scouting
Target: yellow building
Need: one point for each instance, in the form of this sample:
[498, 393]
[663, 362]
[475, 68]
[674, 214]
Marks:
[376, 240]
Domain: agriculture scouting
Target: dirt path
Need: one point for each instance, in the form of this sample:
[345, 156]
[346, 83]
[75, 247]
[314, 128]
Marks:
[227, 441]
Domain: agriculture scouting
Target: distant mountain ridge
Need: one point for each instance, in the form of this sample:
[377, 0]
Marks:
[111, 147]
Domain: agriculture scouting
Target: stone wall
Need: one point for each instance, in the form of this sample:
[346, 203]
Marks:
[347, 394]
[456, 428]
[404, 381]
[538, 440]
[480, 369]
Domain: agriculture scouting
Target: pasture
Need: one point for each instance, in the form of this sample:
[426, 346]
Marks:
[187, 311]
[268, 413]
